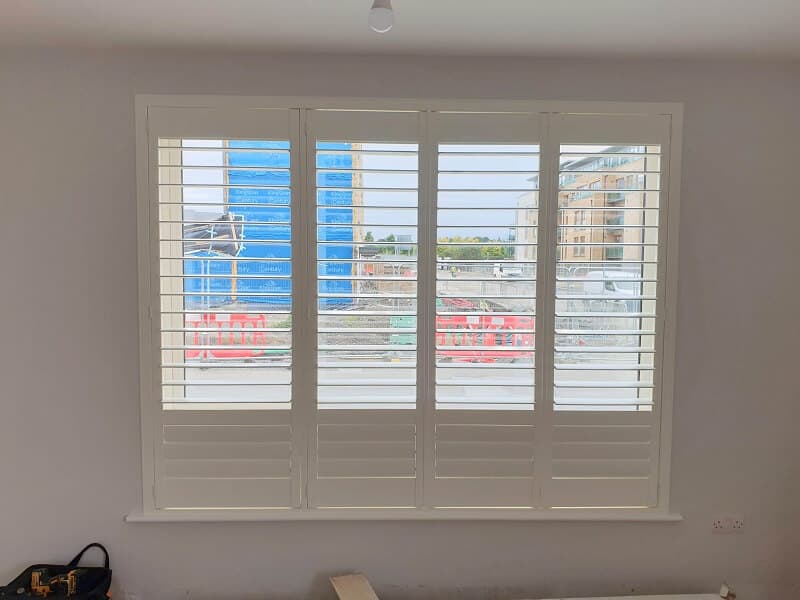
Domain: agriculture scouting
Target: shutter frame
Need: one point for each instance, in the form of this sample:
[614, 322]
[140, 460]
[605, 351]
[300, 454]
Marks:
[667, 124]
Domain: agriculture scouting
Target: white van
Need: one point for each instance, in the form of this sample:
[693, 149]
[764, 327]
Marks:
[500, 271]
[614, 285]
[611, 283]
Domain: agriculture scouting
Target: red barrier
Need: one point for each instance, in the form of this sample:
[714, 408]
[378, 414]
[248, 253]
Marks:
[220, 329]
[496, 333]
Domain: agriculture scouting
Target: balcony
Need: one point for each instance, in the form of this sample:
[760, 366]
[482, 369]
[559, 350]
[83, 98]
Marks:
[615, 197]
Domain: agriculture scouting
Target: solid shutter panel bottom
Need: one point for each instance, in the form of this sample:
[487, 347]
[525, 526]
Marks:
[226, 459]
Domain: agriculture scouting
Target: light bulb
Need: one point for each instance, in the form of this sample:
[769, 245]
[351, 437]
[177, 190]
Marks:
[381, 16]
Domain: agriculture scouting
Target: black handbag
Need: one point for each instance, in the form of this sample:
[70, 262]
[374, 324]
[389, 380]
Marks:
[62, 582]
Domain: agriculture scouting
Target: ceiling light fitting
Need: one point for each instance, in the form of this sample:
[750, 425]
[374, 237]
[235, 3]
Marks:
[381, 16]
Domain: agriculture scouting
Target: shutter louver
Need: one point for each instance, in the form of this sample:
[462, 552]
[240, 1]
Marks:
[485, 296]
[607, 310]
[366, 181]
[225, 255]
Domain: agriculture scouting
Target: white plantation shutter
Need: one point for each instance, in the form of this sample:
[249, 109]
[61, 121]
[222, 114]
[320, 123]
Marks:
[222, 196]
[608, 311]
[366, 182]
[482, 423]
[387, 311]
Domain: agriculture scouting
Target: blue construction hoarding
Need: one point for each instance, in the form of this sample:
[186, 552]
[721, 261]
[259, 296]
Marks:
[259, 201]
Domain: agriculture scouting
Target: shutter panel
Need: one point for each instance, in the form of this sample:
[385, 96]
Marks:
[222, 219]
[608, 311]
[481, 429]
[365, 168]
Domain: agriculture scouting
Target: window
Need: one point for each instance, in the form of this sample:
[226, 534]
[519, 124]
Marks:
[360, 310]
[579, 249]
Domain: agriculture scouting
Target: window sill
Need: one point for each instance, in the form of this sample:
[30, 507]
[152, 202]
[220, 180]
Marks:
[335, 514]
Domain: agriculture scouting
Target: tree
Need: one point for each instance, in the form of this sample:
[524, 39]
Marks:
[368, 237]
[463, 249]
[490, 252]
[467, 253]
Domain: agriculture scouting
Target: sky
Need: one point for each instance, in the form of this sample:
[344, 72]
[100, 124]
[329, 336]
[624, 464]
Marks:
[488, 188]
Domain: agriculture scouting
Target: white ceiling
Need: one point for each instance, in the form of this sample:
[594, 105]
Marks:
[583, 28]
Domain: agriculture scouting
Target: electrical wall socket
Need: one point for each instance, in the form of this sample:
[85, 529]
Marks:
[728, 524]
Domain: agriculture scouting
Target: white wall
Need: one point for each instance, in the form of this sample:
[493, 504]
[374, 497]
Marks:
[69, 411]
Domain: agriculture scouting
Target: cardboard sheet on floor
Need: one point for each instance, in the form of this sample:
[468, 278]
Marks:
[353, 587]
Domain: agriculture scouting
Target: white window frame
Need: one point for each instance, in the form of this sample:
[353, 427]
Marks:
[148, 260]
